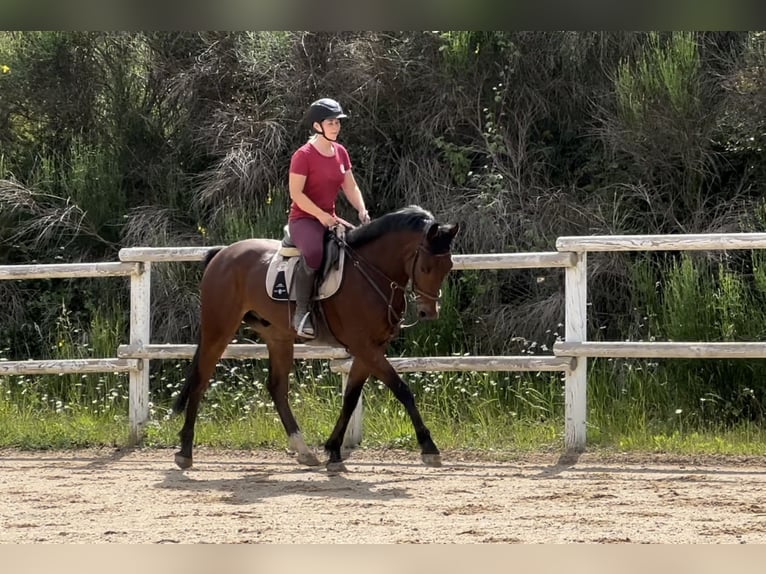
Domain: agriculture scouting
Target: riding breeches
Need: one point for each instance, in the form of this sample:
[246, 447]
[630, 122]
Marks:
[308, 236]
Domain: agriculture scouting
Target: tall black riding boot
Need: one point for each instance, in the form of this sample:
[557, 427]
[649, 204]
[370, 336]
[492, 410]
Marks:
[303, 283]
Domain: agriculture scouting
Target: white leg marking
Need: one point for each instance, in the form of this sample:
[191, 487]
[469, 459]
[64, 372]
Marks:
[305, 456]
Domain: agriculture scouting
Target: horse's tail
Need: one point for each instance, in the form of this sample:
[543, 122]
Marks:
[209, 256]
[192, 378]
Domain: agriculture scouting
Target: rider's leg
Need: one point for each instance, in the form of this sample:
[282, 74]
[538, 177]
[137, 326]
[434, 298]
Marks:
[303, 283]
[308, 236]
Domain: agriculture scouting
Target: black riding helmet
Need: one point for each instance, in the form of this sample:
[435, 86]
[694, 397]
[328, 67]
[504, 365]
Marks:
[324, 109]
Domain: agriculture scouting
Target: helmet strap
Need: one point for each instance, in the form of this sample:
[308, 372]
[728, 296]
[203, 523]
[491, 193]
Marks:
[328, 139]
[321, 132]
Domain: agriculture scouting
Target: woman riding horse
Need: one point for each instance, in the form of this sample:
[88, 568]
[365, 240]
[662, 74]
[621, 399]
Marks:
[399, 251]
[318, 169]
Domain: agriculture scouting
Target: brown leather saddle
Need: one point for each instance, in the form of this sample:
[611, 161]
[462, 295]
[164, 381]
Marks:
[279, 276]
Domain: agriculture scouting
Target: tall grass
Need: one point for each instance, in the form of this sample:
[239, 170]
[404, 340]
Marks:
[656, 404]
[665, 74]
[266, 220]
[101, 394]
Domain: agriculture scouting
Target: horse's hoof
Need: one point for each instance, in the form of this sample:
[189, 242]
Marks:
[183, 462]
[307, 459]
[336, 467]
[434, 460]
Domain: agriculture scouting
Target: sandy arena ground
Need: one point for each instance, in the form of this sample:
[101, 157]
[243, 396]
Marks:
[132, 496]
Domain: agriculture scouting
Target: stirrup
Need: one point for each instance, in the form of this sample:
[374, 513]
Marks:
[305, 328]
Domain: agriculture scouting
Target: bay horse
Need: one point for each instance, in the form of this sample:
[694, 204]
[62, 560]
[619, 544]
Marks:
[403, 247]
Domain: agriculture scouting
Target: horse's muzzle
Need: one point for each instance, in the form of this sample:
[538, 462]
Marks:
[428, 311]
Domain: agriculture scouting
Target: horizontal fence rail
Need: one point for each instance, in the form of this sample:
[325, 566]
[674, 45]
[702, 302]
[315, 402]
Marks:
[661, 350]
[66, 366]
[513, 260]
[342, 362]
[479, 261]
[471, 364]
[165, 254]
[569, 356]
[67, 270]
[670, 242]
[233, 351]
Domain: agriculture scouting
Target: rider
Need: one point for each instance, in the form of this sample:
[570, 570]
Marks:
[318, 170]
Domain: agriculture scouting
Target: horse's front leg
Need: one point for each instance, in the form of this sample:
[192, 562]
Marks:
[280, 364]
[357, 376]
[382, 369]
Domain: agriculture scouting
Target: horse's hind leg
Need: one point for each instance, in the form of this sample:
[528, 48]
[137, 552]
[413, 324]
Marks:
[215, 335]
[357, 376]
[280, 365]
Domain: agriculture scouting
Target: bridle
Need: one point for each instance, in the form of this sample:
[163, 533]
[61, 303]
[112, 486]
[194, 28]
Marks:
[395, 319]
[418, 291]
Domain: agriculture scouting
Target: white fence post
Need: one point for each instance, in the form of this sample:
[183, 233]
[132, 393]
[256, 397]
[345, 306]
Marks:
[575, 284]
[353, 436]
[140, 334]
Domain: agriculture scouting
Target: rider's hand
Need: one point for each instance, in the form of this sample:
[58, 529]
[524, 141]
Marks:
[328, 220]
[364, 216]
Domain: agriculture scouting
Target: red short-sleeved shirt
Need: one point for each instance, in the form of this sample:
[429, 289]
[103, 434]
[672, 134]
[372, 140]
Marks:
[324, 176]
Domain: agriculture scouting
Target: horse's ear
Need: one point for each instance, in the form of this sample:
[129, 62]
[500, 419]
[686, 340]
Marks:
[451, 229]
[440, 237]
[448, 230]
[433, 231]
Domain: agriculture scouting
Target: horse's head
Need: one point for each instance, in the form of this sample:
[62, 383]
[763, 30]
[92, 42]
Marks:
[430, 266]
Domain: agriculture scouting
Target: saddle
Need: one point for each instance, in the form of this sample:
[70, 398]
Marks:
[279, 276]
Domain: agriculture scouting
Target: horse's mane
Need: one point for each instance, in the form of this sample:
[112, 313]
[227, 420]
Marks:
[410, 218]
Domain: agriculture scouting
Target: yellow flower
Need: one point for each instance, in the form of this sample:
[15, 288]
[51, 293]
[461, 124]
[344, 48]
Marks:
[5, 69]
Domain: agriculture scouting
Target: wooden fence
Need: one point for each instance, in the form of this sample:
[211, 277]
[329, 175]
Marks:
[569, 355]
[141, 350]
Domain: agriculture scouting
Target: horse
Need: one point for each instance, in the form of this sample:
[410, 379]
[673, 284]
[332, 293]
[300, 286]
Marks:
[400, 248]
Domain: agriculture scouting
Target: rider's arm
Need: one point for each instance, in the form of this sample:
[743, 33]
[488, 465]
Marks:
[354, 195]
